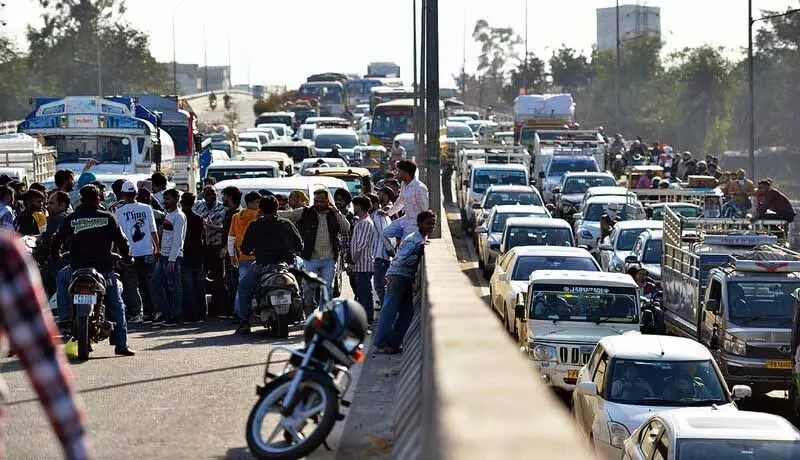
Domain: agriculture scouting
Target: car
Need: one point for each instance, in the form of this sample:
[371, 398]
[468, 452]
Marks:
[283, 185]
[504, 137]
[305, 132]
[607, 191]
[250, 146]
[309, 163]
[558, 166]
[257, 139]
[490, 234]
[459, 119]
[297, 150]
[569, 194]
[646, 253]
[535, 231]
[225, 170]
[656, 210]
[269, 134]
[618, 245]
[326, 138]
[704, 433]
[459, 134]
[283, 132]
[630, 376]
[505, 194]
[481, 176]
[509, 282]
[587, 222]
[476, 125]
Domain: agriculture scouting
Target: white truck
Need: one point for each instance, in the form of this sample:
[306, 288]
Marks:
[727, 284]
[26, 158]
[533, 112]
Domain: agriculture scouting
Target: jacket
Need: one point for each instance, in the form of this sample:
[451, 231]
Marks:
[308, 226]
[272, 240]
[94, 235]
[239, 224]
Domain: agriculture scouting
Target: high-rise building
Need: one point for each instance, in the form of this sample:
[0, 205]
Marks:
[634, 21]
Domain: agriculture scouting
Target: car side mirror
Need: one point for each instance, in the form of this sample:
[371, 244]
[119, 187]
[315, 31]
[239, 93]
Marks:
[541, 175]
[631, 260]
[519, 311]
[482, 229]
[476, 206]
[606, 247]
[741, 391]
[712, 306]
[587, 389]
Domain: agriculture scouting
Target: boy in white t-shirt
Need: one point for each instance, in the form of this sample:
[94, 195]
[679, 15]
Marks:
[139, 225]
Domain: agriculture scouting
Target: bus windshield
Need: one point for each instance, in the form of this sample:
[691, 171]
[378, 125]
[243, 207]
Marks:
[391, 121]
[593, 304]
[105, 149]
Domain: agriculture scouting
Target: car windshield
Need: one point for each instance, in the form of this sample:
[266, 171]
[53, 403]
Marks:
[297, 153]
[537, 236]
[590, 304]
[353, 184]
[627, 238]
[221, 146]
[761, 304]
[79, 149]
[325, 141]
[249, 138]
[595, 210]
[652, 252]
[280, 130]
[575, 185]
[459, 131]
[276, 119]
[390, 123]
[559, 166]
[736, 449]
[308, 134]
[664, 383]
[528, 264]
[483, 178]
[249, 147]
[222, 174]
[685, 211]
[499, 198]
[499, 222]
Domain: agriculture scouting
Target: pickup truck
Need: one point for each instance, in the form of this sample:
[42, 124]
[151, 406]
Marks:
[27, 156]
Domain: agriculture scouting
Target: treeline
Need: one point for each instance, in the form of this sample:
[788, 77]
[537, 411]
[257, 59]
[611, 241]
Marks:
[62, 56]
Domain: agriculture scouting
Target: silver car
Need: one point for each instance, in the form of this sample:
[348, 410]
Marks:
[490, 234]
[617, 246]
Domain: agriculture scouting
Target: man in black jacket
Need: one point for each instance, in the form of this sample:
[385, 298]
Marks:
[93, 234]
[272, 240]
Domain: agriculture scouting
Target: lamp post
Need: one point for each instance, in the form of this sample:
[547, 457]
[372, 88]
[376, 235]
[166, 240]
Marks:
[618, 72]
[750, 78]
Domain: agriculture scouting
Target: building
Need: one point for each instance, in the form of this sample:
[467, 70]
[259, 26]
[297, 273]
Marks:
[634, 21]
[219, 78]
[185, 76]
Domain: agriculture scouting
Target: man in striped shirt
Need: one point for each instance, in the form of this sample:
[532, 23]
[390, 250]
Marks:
[363, 252]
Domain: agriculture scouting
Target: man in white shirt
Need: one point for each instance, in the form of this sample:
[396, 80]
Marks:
[168, 268]
[139, 225]
[412, 200]
[159, 182]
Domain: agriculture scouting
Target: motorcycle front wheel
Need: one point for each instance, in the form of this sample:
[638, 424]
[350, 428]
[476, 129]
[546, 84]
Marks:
[272, 436]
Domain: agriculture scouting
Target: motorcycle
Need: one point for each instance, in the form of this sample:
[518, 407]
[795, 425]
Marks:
[278, 300]
[213, 104]
[653, 315]
[228, 104]
[305, 397]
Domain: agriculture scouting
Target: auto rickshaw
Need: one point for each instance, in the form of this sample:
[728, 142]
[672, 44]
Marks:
[375, 158]
[358, 180]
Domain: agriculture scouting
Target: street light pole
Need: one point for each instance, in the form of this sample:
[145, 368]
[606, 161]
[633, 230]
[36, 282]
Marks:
[617, 117]
[416, 115]
[525, 72]
[174, 58]
[751, 90]
[432, 154]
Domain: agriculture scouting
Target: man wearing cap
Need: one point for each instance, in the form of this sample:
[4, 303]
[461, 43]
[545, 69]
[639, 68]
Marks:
[608, 220]
[774, 201]
[139, 226]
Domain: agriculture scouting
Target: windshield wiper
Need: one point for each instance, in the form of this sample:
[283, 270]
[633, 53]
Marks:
[601, 320]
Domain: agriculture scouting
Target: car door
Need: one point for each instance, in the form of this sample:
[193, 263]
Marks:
[708, 319]
[483, 238]
[592, 405]
[648, 437]
[498, 284]
[662, 447]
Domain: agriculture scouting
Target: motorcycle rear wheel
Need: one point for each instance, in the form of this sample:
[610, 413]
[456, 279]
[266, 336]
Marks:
[82, 336]
[315, 390]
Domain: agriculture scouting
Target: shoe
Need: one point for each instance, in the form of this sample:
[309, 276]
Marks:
[124, 351]
[243, 329]
[159, 318]
[138, 319]
[172, 322]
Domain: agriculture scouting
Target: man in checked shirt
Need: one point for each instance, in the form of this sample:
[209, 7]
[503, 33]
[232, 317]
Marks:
[31, 332]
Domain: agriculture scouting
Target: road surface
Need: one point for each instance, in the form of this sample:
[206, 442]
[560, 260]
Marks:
[242, 106]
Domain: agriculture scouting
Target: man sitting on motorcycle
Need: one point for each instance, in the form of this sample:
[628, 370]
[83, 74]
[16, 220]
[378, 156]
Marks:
[272, 240]
[93, 234]
[212, 97]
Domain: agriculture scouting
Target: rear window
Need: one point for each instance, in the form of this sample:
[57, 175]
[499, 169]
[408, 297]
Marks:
[559, 166]
[298, 153]
[279, 119]
[537, 236]
[239, 173]
[500, 198]
[528, 264]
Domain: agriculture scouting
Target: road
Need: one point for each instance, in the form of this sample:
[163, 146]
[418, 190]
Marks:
[242, 106]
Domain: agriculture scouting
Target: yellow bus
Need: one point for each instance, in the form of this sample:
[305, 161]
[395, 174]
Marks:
[396, 117]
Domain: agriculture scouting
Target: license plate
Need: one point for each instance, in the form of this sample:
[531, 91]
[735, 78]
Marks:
[84, 299]
[572, 373]
[281, 299]
[771, 364]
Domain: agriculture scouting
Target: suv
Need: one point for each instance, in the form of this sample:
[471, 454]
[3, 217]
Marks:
[505, 194]
[646, 253]
[587, 222]
[569, 194]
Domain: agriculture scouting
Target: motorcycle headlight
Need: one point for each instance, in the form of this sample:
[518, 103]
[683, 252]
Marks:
[617, 434]
[733, 345]
[544, 353]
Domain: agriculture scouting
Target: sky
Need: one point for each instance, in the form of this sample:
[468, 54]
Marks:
[282, 41]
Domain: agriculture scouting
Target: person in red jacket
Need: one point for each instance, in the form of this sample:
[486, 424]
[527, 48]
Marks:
[774, 201]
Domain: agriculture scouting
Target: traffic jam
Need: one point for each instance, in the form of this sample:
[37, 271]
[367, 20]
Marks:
[655, 293]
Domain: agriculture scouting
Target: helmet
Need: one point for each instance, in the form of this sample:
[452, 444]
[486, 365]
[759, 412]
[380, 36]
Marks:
[336, 147]
[339, 319]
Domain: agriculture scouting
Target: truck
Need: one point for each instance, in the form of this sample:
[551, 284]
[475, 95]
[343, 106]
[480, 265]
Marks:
[122, 136]
[727, 284]
[383, 70]
[533, 112]
[26, 158]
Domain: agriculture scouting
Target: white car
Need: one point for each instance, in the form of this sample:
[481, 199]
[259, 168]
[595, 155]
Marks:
[326, 138]
[226, 170]
[568, 195]
[618, 245]
[587, 222]
[490, 235]
[306, 132]
[647, 252]
[509, 282]
[283, 185]
[252, 139]
[631, 376]
[282, 131]
[270, 134]
[710, 433]
[607, 191]
[536, 231]
[505, 194]
[309, 163]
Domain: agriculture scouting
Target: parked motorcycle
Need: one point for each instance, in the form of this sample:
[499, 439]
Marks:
[304, 399]
[279, 301]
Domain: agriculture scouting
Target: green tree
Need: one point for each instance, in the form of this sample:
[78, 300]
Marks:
[498, 57]
[13, 99]
[529, 74]
[570, 69]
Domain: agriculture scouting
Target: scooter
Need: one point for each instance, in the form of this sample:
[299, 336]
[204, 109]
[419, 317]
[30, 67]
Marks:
[278, 301]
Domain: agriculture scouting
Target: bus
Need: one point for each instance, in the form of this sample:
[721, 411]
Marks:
[396, 117]
[382, 94]
[360, 90]
[383, 69]
[330, 94]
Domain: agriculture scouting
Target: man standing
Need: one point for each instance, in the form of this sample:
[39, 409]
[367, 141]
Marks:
[363, 252]
[57, 205]
[282, 245]
[239, 224]
[93, 235]
[159, 181]
[319, 227]
[213, 214]
[342, 199]
[774, 201]
[26, 223]
[139, 225]
[447, 180]
[396, 154]
[231, 198]
[384, 250]
[398, 309]
[168, 268]
[193, 278]
[7, 216]
[413, 198]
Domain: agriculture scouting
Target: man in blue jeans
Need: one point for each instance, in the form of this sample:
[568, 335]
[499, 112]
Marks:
[398, 310]
[363, 254]
[168, 267]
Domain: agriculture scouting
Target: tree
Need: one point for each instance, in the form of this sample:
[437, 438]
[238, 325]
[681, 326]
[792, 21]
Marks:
[570, 69]
[13, 101]
[498, 55]
[529, 74]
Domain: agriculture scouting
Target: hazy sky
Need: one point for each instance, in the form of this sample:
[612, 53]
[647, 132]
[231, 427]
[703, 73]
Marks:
[281, 42]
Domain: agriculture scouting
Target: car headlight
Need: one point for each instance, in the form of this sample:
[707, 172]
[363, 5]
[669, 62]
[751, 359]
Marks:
[617, 434]
[733, 345]
[586, 234]
[544, 353]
